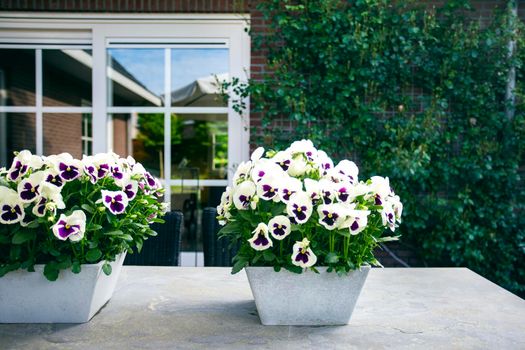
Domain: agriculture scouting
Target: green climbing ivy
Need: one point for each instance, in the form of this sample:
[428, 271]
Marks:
[414, 93]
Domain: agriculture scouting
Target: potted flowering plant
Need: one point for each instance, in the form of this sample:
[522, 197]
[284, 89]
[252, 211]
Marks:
[296, 211]
[72, 221]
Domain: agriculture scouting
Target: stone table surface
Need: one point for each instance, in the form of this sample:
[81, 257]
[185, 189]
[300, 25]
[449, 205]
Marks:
[195, 308]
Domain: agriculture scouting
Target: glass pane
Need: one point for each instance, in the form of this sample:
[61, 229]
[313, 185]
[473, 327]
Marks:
[17, 77]
[199, 146]
[63, 132]
[141, 135]
[195, 74]
[66, 77]
[135, 77]
[191, 200]
[17, 132]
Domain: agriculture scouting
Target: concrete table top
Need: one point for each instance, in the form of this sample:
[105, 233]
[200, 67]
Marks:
[195, 308]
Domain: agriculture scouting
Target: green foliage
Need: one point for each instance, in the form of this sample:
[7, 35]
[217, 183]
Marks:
[417, 95]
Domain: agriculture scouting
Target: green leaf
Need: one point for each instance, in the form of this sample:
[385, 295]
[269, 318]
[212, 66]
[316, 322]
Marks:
[93, 255]
[94, 227]
[51, 271]
[75, 268]
[23, 236]
[277, 268]
[294, 269]
[88, 208]
[126, 237]
[114, 233]
[268, 255]
[238, 266]
[232, 227]
[331, 258]
[106, 268]
[4, 239]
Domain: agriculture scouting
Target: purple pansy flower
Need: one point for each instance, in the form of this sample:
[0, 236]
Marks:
[17, 170]
[330, 216]
[130, 189]
[115, 201]
[260, 239]
[117, 174]
[72, 226]
[280, 227]
[303, 255]
[54, 179]
[356, 221]
[68, 172]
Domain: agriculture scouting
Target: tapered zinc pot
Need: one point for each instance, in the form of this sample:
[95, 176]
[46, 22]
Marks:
[307, 299]
[28, 297]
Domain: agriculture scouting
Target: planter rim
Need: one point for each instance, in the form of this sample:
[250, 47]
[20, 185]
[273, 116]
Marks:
[320, 268]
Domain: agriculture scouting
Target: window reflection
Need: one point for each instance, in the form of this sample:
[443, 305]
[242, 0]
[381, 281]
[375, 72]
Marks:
[17, 132]
[63, 132]
[66, 77]
[196, 76]
[199, 146]
[135, 77]
[17, 77]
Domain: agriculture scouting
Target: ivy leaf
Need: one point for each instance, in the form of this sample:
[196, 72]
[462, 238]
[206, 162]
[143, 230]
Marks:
[93, 255]
[107, 268]
[23, 236]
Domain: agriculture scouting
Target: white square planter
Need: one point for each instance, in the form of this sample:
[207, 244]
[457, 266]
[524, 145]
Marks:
[28, 297]
[286, 298]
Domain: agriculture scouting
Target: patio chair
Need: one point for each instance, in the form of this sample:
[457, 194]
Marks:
[216, 251]
[164, 249]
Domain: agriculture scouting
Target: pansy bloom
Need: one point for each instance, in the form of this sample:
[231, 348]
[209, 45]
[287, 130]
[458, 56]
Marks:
[54, 179]
[130, 188]
[243, 194]
[303, 255]
[288, 187]
[356, 221]
[68, 168]
[115, 201]
[283, 159]
[17, 170]
[11, 208]
[330, 216]
[348, 169]
[280, 227]
[260, 240]
[389, 217]
[267, 188]
[72, 226]
[300, 207]
[242, 172]
[28, 189]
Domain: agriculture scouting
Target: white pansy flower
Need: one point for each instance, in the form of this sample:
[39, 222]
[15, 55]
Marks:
[243, 195]
[288, 187]
[330, 215]
[11, 207]
[348, 169]
[257, 154]
[243, 172]
[303, 255]
[260, 240]
[72, 226]
[280, 227]
[28, 188]
[299, 207]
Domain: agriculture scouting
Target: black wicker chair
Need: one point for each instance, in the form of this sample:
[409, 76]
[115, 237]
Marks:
[162, 250]
[216, 251]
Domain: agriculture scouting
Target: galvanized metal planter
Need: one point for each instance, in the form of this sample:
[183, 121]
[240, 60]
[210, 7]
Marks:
[28, 297]
[307, 299]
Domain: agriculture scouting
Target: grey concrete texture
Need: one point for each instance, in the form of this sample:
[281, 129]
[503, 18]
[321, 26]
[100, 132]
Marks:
[200, 308]
[307, 299]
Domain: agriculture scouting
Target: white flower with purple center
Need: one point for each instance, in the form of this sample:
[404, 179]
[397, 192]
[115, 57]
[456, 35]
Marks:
[115, 201]
[267, 188]
[328, 191]
[389, 217]
[330, 215]
[72, 226]
[49, 200]
[118, 174]
[11, 207]
[283, 159]
[343, 191]
[348, 169]
[380, 186]
[264, 168]
[356, 221]
[313, 189]
[280, 227]
[28, 189]
[396, 204]
[17, 170]
[305, 147]
[243, 195]
[66, 166]
[288, 187]
[54, 179]
[130, 188]
[243, 172]
[260, 240]
[302, 254]
[298, 166]
[150, 180]
[324, 162]
[299, 207]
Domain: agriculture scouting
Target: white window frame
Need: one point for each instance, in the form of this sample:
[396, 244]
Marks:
[94, 31]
